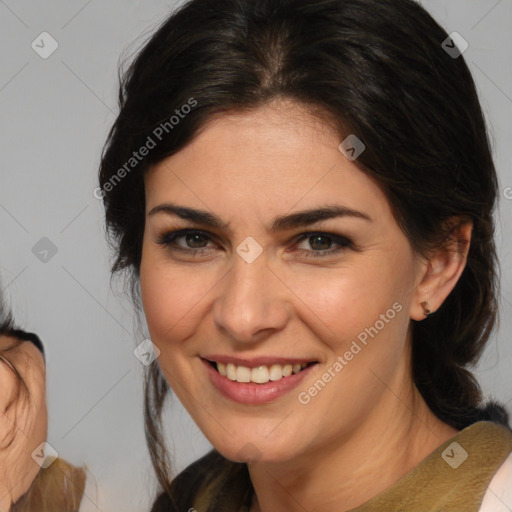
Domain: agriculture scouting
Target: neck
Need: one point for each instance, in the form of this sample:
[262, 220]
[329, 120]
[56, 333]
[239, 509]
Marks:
[358, 465]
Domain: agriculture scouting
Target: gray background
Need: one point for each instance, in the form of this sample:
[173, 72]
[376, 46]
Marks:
[55, 115]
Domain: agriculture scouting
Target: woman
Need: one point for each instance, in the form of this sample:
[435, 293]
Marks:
[25, 484]
[303, 192]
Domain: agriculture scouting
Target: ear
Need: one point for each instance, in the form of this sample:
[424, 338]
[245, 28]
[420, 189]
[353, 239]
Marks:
[438, 274]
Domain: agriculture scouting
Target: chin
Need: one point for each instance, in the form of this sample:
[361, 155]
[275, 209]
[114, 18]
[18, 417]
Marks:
[256, 450]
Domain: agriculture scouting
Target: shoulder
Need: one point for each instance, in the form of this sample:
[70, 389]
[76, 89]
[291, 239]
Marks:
[204, 482]
[498, 497]
[191, 482]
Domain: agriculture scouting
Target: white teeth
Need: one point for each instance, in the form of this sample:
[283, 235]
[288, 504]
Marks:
[243, 374]
[222, 369]
[231, 371]
[276, 372]
[287, 370]
[260, 374]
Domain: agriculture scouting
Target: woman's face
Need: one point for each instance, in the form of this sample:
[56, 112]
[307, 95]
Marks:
[253, 287]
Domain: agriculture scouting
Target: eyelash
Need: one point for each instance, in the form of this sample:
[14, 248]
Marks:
[169, 239]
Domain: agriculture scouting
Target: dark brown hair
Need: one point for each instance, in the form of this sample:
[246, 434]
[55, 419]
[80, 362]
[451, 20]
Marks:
[373, 68]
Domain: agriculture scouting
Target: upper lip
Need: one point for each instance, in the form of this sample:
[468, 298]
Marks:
[257, 361]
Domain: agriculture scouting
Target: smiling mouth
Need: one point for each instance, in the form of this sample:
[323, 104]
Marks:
[260, 374]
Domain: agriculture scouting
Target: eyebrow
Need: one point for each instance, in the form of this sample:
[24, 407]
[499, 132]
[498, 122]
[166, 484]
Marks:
[298, 219]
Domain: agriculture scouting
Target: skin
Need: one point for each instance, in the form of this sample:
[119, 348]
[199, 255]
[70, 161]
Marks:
[369, 425]
[23, 419]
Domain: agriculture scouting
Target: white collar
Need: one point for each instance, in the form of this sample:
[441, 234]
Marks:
[498, 497]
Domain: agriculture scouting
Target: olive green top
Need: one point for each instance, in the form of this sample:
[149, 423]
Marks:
[453, 478]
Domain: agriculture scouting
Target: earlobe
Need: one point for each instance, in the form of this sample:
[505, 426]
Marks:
[426, 310]
[442, 272]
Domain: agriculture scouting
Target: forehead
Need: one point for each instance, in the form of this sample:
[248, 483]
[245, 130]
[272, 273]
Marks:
[8, 341]
[266, 160]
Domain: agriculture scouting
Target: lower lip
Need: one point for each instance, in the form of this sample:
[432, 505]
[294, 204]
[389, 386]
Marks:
[250, 392]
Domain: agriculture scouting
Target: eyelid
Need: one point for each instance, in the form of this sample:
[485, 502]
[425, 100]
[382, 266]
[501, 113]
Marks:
[168, 236]
[178, 231]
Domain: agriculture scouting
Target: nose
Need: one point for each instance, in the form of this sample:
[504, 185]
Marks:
[252, 302]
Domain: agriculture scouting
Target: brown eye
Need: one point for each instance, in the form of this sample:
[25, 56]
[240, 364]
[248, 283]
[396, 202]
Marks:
[322, 243]
[195, 241]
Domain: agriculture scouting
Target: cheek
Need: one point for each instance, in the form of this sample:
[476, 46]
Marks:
[345, 300]
[41, 427]
[171, 297]
[39, 398]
